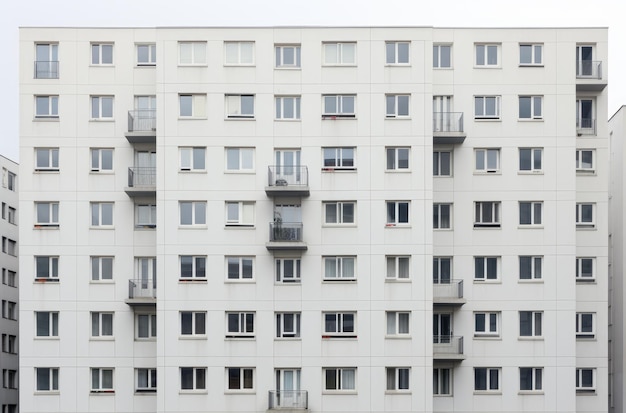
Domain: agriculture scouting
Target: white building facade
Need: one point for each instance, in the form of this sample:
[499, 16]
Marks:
[239, 219]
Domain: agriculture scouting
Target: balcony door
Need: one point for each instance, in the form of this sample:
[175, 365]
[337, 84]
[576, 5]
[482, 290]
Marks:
[584, 60]
[288, 167]
[146, 272]
[145, 168]
[47, 61]
[441, 270]
[442, 328]
[288, 387]
[584, 113]
[442, 114]
[144, 118]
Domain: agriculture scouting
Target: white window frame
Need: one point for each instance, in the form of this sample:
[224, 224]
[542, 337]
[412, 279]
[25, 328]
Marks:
[98, 59]
[482, 108]
[536, 379]
[151, 222]
[439, 160]
[241, 263]
[393, 103]
[151, 326]
[442, 382]
[489, 318]
[340, 267]
[484, 160]
[287, 102]
[398, 379]
[98, 322]
[580, 386]
[48, 111]
[197, 104]
[396, 160]
[244, 328]
[398, 324]
[288, 325]
[535, 266]
[585, 167]
[487, 49]
[198, 213]
[440, 211]
[438, 62]
[50, 158]
[581, 222]
[198, 267]
[53, 268]
[487, 214]
[241, 58]
[197, 327]
[585, 276]
[98, 378]
[102, 214]
[536, 54]
[147, 375]
[98, 106]
[51, 209]
[535, 156]
[296, 268]
[535, 324]
[394, 265]
[279, 61]
[98, 160]
[536, 213]
[341, 213]
[242, 372]
[580, 328]
[340, 374]
[49, 320]
[99, 266]
[341, 57]
[244, 158]
[486, 274]
[394, 212]
[338, 103]
[199, 379]
[244, 208]
[490, 387]
[192, 158]
[151, 56]
[339, 161]
[536, 107]
[234, 105]
[393, 53]
[340, 329]
[197, 53]
[53, 379]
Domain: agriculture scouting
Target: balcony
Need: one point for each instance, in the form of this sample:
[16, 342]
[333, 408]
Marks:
[450, 293]
[286, 236]
[287, 400]
[585, 126]
[448, 128]
[142, 292]
[141, 126]
[287, 181]
[589, 76]
[448, 348]
[141, 182]
[46, 70]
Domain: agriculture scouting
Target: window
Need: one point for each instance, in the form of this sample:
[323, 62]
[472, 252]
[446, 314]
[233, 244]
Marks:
[287, 325]
[192, 212]
[101, 107]
[398, 267]
[585, 215]
[9, 379]
[9, 246]
[9, 278]
[192, 159]
[47, 61]
[486, 379]
[338, 54]
[585, 269]
[101, 324]
[193, 323]
[397, 106]
[9, 408]
[240, 106]
[192, 106]
[339, 158]
[11, 216]
[9, 310]
[531, 54]
[145, 326]
[47, 268]
[530, 267]
[46, 106]
[8, 179]
[442, 56]
[339, 268]
[240, 324]
[46, 159]
[287, 56]
[239, 378]
[47, 214]
[397, 212]
[239, 268]
[585, 380]
[486, 214]
[398, 159]
[146, 380]
[101, 380]
[487, 107]
[146, 54]
[530, 107]
[192, 53]
[442, 381]
[288, 270]
[145, 216]
[9, 343]
[585, 120]
[193, 378]
[486, 268]
[530, 159]
[442, 270]
[442, 216]
[585, 160]
[530, 213]
[340, 324]
[397, 53]
[193, 267]
[530, 323]
[487, 55]
[585, 325]
[487, 160]
[101, 214]
[239, 213]
[101, 159]
[102, 53]
[339, 106]
[398, 378]
[238, 53]
[339, 212]
[287, 107]
[442, 163]
[47, 379]
[340, 379]
[486, 324]
[240, 159]
[101, 268]
[398, 323]
[531, 378]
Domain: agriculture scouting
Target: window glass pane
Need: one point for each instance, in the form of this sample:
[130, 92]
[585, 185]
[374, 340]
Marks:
[524, 107]
[403, 52]
[445, 56]
[186, 105]
[390, 52]
[200, 213]
[525, 54]
[480, 55]
[492, 55]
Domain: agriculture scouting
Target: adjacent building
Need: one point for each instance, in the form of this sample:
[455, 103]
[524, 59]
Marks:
[357, 219]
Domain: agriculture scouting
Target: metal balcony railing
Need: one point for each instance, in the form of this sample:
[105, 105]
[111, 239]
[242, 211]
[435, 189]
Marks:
[588, 69]
[452, 289]
[287, 175]
[141, 177]
[285, 231]
[288, 399]
[448, 122]
[448, 345]
[142, 288]
[586, 126]
[46, 69]
[142, 120]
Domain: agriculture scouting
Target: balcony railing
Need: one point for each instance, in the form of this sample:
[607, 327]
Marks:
[586, 126]
[587, 69]
[453, 289]
[142, 120]
[448, 122]
[46, 69]
[287, 175]
[141, 177]
[142, 288]
[447, 345]
[288, 399]
[285, 231]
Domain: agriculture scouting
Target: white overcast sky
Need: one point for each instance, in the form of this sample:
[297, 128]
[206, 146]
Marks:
[438, 13]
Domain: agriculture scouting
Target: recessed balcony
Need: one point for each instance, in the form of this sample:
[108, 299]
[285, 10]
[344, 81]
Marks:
[46, 69]
[141, 126]
[288, 400]
[448, 348]
[589, 76]
[141, 182]
[286, 236]
[142, 292]
[287, 181]
[448, 293]
[448, 128]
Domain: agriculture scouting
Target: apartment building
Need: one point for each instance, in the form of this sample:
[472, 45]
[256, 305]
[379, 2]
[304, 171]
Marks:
[239, 219]
[8, 288]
